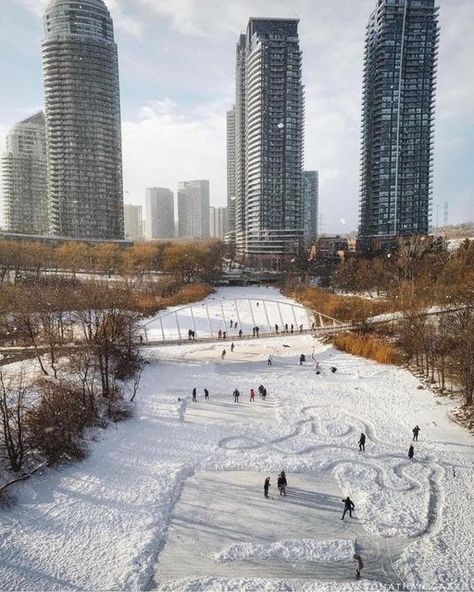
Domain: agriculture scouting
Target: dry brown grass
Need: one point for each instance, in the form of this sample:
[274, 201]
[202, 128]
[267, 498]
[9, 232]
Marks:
[368, 346]
[343, 308]
[186, 295]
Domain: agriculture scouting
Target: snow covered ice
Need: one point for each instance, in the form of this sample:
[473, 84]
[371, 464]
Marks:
[196, 470]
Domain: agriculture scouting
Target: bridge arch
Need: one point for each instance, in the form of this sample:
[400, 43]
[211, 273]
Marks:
[231, 316]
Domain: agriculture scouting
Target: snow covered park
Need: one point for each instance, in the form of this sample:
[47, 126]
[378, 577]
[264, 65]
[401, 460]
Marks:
[172, 499]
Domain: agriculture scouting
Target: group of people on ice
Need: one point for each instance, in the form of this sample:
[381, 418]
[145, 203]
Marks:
[262, 393]
[411, 450]
[281, 484]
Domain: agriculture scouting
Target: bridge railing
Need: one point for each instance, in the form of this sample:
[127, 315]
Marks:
[214, 319]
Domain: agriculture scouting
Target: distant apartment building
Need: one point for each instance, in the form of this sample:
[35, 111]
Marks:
[231, 186]
[310, 204]
[218, 222]
[159, 213]
[401, 49]
[133, 219]
[82, 112]
[193, 209]
[269, 133]
[23, 165]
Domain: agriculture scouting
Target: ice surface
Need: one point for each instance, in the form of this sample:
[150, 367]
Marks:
[105, 523]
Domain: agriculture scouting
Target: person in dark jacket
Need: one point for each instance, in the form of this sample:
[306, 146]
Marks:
[240, 333]
[232, 347]
[206, 394]
[362, 442]
[411, 452]
[416, 431]
[302, 359]
[194, 395]
[276, 328]
[282, 483]
[236, 394]
[333, 369]
[223, 354]
[348, 507]
[266, 487]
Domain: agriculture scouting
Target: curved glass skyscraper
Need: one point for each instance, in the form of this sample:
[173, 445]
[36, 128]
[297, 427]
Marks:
[82, 110]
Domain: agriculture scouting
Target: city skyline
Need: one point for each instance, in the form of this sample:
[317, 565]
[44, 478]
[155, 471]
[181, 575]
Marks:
[190, 112]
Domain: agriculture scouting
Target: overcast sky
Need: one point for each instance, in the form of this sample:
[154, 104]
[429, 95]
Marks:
[177, 81]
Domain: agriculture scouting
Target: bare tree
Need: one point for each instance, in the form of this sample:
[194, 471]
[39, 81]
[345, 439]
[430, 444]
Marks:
[13, 410]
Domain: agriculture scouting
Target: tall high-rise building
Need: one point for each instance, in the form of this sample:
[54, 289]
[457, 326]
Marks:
[231, 187]
[401, 50]
[218, 224]
[159, 213]
[310, 204]
[82, 109]
[269, 122]
[193, 209]
[133, 220]
[24, 178]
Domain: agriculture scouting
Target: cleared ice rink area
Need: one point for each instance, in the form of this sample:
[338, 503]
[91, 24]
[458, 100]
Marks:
[172, 499]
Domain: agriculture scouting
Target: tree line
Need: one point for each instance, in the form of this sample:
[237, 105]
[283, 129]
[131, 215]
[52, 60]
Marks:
[188, 262]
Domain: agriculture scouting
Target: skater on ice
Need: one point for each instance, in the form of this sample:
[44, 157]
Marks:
[206, 394]
[302, 359]
[360, 565]
[252, 395]
[232, 346]
[223, 354]
[240, 333]
[416, 431]
[362, 442]
[194, 395]
[236, 394]
[411, 452]
[282, 483]
[269, 361]
[266, 487]
[348, 507]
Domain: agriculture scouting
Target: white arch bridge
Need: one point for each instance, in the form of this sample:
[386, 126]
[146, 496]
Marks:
[233, 319]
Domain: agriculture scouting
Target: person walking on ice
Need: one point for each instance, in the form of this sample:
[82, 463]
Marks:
[411, 452]
[240, 333]
[348, 507]
[360, 565]
[236, 395]
[252, 395]
[206, 394]
[223, 354]
[232, 346]
[266, 487]
[194, 395]
[302, 359]
[282, 483]
[269, 361]
[416, 431]
[362, 442]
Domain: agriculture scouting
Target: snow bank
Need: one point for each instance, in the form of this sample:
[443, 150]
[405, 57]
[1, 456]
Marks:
[265, 585]
[289, 550]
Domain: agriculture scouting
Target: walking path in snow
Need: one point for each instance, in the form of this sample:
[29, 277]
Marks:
[182, 478]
